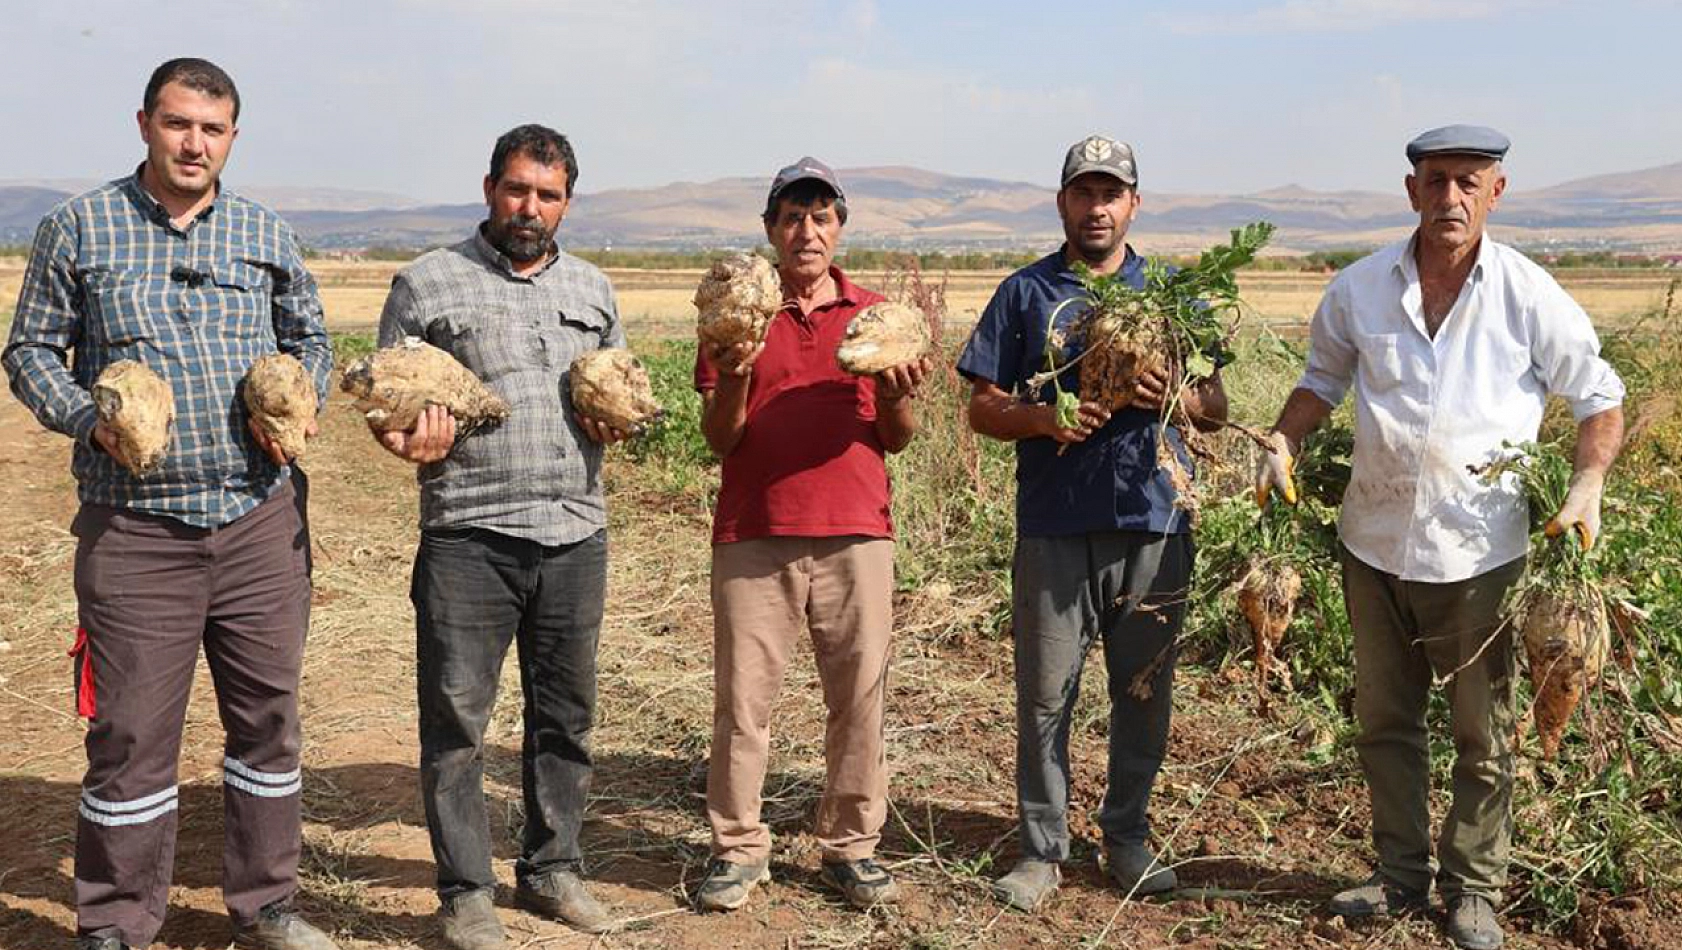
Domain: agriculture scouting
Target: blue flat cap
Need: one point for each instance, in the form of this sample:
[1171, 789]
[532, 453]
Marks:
[1459, 140]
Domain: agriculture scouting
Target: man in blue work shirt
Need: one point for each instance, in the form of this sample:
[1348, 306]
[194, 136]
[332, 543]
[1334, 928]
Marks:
[1101, 549]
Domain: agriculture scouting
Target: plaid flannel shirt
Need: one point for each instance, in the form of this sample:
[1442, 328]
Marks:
[537, 476]
[110, 278]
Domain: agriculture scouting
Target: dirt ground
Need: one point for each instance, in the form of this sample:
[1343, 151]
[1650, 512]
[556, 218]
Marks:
[1265, 818]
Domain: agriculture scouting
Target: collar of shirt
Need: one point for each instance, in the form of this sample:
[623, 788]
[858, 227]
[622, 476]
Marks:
[154, 210]
[847, 294]
[488, 253]
[1406, 266]
[1130, 271]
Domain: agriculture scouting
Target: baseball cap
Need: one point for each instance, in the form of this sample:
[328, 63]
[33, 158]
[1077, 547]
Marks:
[1098, 153]
[806, 167]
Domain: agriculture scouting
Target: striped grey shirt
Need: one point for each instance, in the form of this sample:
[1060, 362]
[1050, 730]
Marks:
[537, 476]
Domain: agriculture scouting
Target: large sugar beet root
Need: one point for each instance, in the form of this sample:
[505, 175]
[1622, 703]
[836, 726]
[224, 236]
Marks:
[887, 334]
[393, 386]
[281, 397]
[737, 298]
[1123, 347]
[1267, 598]
[610, 385]
[1565, 640]
[138, 408]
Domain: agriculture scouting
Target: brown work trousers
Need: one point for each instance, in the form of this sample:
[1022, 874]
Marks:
[150, 591]
[763, 591]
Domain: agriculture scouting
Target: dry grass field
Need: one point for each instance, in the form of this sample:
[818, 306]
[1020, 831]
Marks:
[1265, 817]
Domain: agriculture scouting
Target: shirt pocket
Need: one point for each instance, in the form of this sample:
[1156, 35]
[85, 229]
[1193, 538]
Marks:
[1380, 363]
[117, 307]
[240, 292]
[573, 332]
[496, 351]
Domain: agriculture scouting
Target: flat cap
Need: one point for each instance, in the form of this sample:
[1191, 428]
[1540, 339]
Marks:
[1459, 140]
[1098, 153]
[806, 167]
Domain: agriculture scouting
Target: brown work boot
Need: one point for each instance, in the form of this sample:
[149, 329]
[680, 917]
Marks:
[278, 927]
[470, 922]
[561, 895]
[1472, 924]
[1028, 885]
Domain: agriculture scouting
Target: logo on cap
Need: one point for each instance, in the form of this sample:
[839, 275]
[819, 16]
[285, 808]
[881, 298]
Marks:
[1097, 149]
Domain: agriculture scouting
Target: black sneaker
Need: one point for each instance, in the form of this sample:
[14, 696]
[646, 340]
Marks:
[1137, 871]
[863, 883]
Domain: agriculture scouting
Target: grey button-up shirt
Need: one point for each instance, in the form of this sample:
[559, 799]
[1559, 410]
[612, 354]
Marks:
[537, 476]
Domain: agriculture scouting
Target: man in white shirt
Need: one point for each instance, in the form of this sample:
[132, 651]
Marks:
[1452, 344]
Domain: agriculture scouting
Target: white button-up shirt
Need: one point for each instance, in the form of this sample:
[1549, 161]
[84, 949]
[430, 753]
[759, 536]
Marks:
[1427, 409]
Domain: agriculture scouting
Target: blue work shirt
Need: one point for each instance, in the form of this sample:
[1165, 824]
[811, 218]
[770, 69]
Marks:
[1109, 482]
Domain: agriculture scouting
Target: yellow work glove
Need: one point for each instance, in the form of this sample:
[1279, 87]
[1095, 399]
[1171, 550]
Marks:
[1274, 469]
[1581, 509]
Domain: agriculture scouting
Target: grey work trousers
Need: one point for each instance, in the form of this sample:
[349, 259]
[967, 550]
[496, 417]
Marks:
[150, 591]
[1128, 588]
[1406, 634]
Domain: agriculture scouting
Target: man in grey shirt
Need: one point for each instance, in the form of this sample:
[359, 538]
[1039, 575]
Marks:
[513, 536]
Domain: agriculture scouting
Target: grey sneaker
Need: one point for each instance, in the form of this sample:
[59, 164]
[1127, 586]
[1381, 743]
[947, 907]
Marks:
[561, 895]
[728, 883]
[1137, 871]
[470, 922]
[100, 941]
[1377, 897]
[863, 883]
[278, 927]
[1472, 924]
[1028, 884]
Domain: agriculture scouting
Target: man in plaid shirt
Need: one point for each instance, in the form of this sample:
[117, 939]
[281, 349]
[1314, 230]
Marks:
[513, 536]
[168, 268]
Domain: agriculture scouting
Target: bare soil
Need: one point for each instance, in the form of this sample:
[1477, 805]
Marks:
[1267, 818]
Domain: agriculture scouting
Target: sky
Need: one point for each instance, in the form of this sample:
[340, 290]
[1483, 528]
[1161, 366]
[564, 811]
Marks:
[407, 96]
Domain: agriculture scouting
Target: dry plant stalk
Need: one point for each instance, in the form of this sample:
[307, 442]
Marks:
[611, 386]
[736, 299]
[1267, 598]
[882, 336]
[394, 385]
[138, 408]
[281, 397]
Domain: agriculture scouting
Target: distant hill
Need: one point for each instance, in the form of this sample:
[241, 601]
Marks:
[898, 206]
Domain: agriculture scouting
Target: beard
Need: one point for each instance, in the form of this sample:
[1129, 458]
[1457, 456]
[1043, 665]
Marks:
[517, 247]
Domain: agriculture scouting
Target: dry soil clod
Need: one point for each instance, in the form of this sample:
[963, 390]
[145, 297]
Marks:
[137, 406]
[281, 397]
[611, 385]
[394, 385]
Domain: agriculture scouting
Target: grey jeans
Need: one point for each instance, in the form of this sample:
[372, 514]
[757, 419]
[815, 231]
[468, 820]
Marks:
[1128, 588]
[474, 592]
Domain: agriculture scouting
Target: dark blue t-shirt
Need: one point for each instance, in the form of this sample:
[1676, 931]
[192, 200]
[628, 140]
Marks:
[1109, 482]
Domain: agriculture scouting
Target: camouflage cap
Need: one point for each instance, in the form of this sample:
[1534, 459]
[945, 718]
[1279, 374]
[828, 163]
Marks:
[1097, 153]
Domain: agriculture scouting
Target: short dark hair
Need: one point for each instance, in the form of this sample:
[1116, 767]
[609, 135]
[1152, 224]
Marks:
[201, 75]
[538, 143]
[803, 194]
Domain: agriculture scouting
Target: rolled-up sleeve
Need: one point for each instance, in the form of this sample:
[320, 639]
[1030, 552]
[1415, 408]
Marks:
[46, 327]
[1331, 352]
[300, 326]
[1565, 353]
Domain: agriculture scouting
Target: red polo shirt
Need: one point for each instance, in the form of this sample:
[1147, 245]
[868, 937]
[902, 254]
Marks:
[809, 463]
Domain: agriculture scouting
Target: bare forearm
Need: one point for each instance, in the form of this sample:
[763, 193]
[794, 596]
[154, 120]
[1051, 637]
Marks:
[896, 423]
[999, 415]
[1302, 414]
[724, 415]
[1598, 439]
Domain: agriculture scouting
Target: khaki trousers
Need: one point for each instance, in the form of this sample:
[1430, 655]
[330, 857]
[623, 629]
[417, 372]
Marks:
[763, 591]
[1406, 631]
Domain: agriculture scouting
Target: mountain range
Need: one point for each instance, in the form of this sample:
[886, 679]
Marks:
[898, 206]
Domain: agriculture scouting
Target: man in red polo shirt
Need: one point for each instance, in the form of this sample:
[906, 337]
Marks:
[802, 534]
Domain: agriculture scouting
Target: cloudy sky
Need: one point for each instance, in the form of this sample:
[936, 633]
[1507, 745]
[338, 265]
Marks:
[406, 96]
